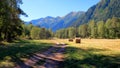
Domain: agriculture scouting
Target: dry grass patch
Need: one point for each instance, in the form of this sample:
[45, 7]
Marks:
[92, 53]
[110, 46]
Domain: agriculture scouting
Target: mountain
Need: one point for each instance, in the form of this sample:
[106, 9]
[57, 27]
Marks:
[101, 11]
[46, 22]
[71, 18]
[56, 23]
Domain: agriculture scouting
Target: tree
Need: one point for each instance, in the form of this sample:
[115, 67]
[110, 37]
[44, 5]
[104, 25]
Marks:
[49, 33]
[61, 33]
[71, 32]
[101, 29]
[83, 30]
[10, 23]
[92, 29]
[112, 28]
[35, 33]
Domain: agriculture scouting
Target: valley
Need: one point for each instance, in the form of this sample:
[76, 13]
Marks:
[60, 34]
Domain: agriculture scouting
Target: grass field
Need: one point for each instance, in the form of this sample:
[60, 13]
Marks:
[92, 53]
[15, 52]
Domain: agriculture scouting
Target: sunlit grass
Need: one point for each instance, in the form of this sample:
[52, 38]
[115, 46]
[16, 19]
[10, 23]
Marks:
[92, 53]
[111, 46]
[6, 63]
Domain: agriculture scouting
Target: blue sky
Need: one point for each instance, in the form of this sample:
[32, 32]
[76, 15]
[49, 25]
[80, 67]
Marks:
[41, 8]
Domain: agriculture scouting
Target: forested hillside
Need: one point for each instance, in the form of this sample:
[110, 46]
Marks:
[108, 29]
[102, 11]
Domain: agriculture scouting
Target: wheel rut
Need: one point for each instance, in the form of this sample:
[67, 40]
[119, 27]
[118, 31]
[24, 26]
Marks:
[51, 58]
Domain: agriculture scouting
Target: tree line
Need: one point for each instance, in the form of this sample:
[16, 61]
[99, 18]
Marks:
[34, 32]
[109, 29]
[12, 27]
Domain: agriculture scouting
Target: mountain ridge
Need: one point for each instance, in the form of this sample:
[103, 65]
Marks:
[102, 11]
[56, 23]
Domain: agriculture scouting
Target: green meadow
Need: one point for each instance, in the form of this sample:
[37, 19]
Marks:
[16, 52]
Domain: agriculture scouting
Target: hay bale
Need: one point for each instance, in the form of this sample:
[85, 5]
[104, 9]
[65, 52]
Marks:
[70, 40]
[78, 40]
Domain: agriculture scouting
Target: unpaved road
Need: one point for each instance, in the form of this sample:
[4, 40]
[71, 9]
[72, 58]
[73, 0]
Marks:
[52, 58]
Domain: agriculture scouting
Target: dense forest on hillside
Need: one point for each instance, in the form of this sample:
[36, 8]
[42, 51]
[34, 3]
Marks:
[100, 29]
[102, 11]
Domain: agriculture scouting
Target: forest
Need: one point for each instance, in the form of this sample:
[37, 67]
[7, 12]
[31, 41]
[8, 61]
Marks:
[109, 29]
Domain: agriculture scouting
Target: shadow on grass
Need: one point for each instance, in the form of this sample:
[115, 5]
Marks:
[80, 58]
[22, 41]
[18, 50]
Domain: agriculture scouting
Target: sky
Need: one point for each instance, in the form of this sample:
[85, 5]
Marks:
[36, 9]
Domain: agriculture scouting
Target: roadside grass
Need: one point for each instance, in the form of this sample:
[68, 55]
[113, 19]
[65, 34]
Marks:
[13, 53]
[92, 53]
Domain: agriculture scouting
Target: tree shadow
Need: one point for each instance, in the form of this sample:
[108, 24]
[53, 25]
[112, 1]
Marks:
[22, 41]
[16, 51]
[89, 59]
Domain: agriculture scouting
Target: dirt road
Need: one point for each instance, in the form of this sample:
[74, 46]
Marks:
[51, 58]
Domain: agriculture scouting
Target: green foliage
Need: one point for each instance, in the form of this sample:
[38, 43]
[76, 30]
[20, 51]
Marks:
[63, 33]
[66, 33]
[112, 28]
[35, 31]
[100, 29]
[10, 23]
[71, 32]
[26, 31]
[83, 30]
[92, 29]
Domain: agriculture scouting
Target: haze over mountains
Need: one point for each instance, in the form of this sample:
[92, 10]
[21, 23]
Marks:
[56, 23]
[102, 11]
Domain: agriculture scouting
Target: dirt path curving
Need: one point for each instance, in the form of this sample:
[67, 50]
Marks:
[51, 58]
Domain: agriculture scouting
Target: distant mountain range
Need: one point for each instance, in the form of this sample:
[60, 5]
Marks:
[103, 10]
[56, 23]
